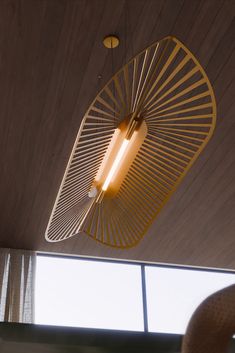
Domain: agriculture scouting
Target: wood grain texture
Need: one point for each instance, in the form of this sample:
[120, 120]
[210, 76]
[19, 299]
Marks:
[51, 56]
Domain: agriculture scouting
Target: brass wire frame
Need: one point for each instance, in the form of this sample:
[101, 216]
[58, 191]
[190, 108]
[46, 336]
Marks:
[169, 89]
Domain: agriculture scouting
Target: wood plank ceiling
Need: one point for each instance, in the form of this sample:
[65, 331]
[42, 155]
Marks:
[52, 64]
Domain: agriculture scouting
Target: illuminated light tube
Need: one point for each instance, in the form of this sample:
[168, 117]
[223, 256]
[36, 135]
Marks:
[115, 164]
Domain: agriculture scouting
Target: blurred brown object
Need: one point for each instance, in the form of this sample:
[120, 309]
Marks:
[212, 325]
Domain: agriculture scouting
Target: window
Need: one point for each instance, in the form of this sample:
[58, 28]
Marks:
[83, 293]
[173, 295]
[109, 294]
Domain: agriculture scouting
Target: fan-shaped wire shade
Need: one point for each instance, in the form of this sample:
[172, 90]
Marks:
[168, 88]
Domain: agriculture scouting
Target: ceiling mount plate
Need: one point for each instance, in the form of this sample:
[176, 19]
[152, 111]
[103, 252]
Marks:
[111, 41]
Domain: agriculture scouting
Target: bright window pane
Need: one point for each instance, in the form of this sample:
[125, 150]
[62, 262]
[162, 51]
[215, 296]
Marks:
[83, 293]
[174, 294]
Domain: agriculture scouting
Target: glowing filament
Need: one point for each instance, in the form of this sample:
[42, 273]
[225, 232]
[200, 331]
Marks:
[115, 164]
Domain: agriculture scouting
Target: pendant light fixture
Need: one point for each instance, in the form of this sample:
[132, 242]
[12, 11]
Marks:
[137, 140]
